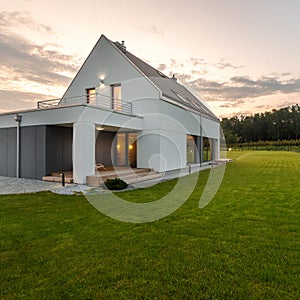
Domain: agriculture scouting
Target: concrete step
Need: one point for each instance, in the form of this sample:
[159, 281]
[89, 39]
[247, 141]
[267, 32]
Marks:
[125, 176]
[128, 176]
[144, 178]
[121, 171]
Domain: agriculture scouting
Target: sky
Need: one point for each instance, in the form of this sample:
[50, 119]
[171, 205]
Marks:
[241, 57]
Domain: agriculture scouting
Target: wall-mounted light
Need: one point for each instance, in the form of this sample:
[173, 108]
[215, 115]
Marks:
[100, 128]
[18, 118]
[101, 79]
[130, 147]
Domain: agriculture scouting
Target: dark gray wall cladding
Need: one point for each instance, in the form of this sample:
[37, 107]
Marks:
[3, 152]
[8, 142]
[59, 149]
[32, 152]
[103, 147]
[43, 149]
[40, 151]
[67, 159]
[12, 152]
[27, 153]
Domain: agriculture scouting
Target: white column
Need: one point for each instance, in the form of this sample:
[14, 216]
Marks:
[83, 151]
[215, 149]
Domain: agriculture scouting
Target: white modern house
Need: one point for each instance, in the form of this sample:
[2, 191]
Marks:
[117, 111]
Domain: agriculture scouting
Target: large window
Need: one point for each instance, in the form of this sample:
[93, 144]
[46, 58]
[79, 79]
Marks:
[116, 94]
[206, 149]
[90, 95]
[190, 149]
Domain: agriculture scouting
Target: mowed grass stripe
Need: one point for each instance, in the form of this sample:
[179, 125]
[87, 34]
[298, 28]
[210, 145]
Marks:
[243, 245]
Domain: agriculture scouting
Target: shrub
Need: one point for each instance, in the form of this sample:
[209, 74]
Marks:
[115, 184]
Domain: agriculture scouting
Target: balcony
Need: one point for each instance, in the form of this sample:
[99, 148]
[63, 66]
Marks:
[97, 100]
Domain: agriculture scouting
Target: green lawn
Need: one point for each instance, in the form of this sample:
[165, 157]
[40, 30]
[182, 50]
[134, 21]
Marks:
[244, 245]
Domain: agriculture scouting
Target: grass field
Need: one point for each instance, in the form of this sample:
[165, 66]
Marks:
[244, 245]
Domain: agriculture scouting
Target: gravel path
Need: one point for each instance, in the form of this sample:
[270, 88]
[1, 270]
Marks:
[10, 185]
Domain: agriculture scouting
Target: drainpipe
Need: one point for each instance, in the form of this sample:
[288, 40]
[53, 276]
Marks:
[18, 119]
[201, 141]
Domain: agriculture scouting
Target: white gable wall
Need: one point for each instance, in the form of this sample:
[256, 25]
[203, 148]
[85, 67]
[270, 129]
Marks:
[106, 62]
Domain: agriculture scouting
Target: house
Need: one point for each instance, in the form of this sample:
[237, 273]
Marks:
[118, 110]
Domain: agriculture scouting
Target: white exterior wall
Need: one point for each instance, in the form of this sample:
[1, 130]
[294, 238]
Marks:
[211, 128]
[162, 143]
[84, 138]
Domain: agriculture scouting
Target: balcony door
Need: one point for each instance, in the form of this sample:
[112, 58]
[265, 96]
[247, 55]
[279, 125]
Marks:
[116, 94]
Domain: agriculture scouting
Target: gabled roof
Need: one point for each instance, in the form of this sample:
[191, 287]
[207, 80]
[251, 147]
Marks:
[169, 87]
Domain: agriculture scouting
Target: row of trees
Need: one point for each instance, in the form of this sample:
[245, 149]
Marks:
[281, 124]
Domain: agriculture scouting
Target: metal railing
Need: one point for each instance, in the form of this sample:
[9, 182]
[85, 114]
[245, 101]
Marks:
[48, 103]
[98, 100]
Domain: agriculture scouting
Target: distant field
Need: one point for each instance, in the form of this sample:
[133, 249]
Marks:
[244, 245]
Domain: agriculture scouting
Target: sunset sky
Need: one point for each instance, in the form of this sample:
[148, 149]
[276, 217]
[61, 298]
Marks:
[241, 57]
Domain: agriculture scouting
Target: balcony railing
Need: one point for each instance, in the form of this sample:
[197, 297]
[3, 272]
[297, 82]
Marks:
[48, 103]
[97, 100]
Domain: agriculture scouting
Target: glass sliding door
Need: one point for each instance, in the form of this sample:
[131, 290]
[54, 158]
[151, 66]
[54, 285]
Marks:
[207, 149]
[126, 149]
[190, 149]
[121, 149]
[132, 149]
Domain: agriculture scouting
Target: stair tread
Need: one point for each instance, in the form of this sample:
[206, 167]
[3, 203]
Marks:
[128, 177]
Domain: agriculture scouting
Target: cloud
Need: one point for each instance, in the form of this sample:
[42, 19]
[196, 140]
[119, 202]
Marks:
[224, 65]
[28, 66]
[30, 71]
[16, 99]
[183, 77]
[28, 61]
[197, 61]
[204, 67]
[232, 104]
[235, 93]
[175, 64]
[265, 85]
[162, 67]
[18, 19]
[244, 87]
[157, 30]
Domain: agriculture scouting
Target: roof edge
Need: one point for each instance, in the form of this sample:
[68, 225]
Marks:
[102, 36]
[136, 67]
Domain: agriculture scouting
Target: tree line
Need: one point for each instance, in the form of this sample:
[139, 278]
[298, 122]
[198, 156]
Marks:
[277, 125]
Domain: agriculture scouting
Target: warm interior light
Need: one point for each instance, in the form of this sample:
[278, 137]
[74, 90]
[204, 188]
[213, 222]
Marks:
[99, 127]
[118, 146]
[130, 147]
